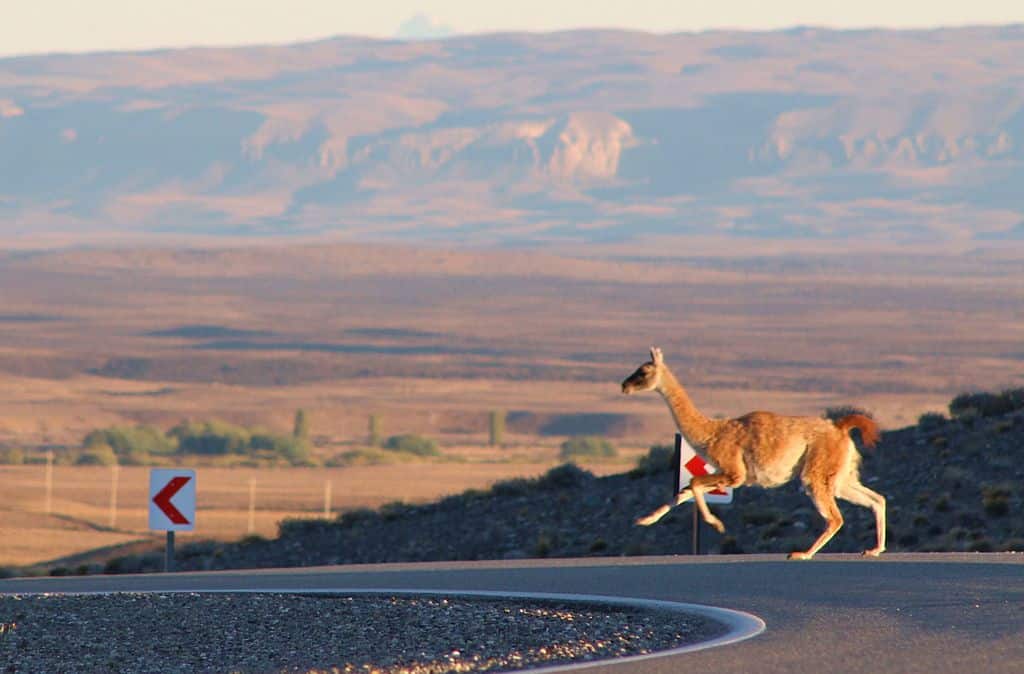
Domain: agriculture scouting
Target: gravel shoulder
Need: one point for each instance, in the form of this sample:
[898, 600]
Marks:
[166, 633]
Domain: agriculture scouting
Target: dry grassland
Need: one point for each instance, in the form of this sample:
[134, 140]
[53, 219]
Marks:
[432, 340]
[80, 515]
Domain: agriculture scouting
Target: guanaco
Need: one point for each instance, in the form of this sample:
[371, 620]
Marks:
[767, 449]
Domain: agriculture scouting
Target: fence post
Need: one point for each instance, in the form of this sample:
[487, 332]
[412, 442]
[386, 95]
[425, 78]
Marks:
[374, 431]
[327, 499]
[497, 427]
[48, 482]
[115, 471]
[252, 505]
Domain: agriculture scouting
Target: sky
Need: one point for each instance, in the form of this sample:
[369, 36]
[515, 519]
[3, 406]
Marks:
[42, 26]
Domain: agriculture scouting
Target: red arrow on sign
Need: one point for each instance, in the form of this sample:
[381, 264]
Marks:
[163, 499]
[697, 467]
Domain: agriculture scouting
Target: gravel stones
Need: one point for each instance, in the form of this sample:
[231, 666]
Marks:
[165, 633]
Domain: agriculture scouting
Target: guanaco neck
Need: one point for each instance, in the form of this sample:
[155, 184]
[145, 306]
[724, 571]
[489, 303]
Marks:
[695, 427]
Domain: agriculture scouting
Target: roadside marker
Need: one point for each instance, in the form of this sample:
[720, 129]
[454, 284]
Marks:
[687, 464]
[172, 505]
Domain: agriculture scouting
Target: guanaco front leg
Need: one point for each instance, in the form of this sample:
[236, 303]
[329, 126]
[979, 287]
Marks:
[682, 497]
[705, 483]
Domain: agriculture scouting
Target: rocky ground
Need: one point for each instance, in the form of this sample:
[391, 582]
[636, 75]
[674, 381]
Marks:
[952, 484]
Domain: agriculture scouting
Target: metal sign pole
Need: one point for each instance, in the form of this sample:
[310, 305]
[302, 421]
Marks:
[169, 559]
[696, 530]
[678, 486]
[677, 480]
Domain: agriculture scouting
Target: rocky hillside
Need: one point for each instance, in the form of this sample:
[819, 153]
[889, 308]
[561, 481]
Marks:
[600, 136]
[952, 485]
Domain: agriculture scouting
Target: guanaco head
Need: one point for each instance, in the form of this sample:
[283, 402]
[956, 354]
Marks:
[648, 376]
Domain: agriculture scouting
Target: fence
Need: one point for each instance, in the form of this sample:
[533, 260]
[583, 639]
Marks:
[49, 511]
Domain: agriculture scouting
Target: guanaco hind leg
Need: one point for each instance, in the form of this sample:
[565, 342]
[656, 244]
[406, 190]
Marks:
[825, 502]
[855, 492]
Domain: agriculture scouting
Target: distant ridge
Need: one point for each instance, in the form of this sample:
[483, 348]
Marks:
[604, 137]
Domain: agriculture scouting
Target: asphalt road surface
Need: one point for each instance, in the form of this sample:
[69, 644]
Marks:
[931, 613]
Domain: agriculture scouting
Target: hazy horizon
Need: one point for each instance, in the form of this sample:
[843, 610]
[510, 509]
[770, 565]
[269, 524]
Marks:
[118, 25]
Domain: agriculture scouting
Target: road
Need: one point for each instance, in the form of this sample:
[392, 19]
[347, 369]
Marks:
[930, 613]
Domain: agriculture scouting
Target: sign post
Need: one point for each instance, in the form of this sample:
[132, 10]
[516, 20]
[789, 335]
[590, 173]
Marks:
[172, 505]
[687, 464]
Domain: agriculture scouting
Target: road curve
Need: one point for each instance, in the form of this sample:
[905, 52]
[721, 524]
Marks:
[932, 613]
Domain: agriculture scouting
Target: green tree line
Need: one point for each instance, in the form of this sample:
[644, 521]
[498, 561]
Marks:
[141, 445]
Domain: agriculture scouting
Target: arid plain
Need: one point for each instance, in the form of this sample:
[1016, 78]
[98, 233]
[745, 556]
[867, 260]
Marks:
[431, 340]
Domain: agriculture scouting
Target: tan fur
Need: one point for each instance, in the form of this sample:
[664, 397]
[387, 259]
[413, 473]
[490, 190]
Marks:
[767, 449]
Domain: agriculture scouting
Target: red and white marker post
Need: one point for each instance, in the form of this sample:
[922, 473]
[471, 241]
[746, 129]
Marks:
[172, 504]
[688, 465]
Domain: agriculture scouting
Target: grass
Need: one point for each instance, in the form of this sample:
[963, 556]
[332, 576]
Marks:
[128, 361]
[134, 359]
[80, 518]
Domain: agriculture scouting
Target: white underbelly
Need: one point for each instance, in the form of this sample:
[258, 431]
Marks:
[778, 469]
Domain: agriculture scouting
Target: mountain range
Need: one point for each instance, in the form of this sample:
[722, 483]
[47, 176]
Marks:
[597, 137]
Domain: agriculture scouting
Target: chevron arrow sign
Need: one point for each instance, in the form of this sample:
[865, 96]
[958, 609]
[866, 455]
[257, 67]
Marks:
[172, 499]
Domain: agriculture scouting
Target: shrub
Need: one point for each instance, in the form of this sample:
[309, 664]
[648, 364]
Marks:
[132, 444]
[981, 545]
[412, 444]
[200, 549]
[839, 411]
[967, 405]
[730, 546]
[298, 527]
[564, 476]
[211, 438]
[394, 510]
[361, 457]
[294, 449]
[123, 564]
[930, 421]
[350, 518]
[300, 428]
[657, 460]
[296, 452]
[996, 500]
[586, 446]
[96, 455]
[544, 545]
[516, 486]
[12, 456]
[373, 431]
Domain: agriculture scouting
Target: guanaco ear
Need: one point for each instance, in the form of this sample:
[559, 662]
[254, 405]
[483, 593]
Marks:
[656, 356]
